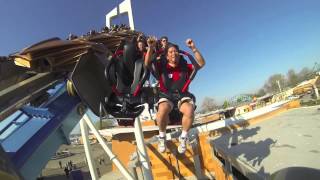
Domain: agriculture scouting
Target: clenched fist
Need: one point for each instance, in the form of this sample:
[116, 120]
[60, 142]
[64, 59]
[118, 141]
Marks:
[190, 43]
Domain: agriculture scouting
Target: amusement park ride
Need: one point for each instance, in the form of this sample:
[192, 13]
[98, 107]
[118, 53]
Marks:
[46, 89]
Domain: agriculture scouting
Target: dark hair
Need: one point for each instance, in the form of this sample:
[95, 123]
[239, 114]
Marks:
[144, 42]
[169, 46]
[164, 37]
[141, 38]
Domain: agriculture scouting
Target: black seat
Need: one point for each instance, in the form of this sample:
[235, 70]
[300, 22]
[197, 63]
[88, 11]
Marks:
[126, 73]
[112, 85]
[89, 81]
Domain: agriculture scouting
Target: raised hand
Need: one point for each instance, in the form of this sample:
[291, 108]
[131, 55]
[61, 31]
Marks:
[190, 43]
[152, 40]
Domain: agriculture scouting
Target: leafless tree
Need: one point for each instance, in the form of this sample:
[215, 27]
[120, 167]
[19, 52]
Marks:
[208, 104]
[271, 86]
[292, 78]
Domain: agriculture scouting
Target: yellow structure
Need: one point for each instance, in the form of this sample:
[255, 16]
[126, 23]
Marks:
[282, 96]
[307, 86]
[243, 109]
[198, 162]
[210, 118]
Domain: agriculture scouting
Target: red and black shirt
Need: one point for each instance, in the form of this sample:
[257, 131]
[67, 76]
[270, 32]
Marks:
[173, 74]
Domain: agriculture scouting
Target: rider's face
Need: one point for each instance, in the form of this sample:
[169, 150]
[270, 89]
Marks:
[141, 46]
[173, 56]
[164, 42]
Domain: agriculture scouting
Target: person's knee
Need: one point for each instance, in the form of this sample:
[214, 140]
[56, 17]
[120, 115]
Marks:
[164, 108]
[187, 110]
[189, 114]
[163, 111]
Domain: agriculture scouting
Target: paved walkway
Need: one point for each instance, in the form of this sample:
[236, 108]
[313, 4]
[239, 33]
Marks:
[291, 139]
[53, 171]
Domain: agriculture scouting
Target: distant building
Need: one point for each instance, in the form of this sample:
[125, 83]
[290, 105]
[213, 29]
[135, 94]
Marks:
[282, 95]
[243, 109]
[308, 86]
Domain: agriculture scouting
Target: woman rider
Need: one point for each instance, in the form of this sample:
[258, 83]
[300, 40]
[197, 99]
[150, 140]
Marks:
[172, 69]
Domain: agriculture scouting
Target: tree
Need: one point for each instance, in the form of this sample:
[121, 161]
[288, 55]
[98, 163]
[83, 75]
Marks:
[208, 104]
[271, 86]
[304, 74]
[225, 104]
[261, 92]
[239, 99]
[292, 78]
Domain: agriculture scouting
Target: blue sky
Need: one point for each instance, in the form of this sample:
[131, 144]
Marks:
[243, 42]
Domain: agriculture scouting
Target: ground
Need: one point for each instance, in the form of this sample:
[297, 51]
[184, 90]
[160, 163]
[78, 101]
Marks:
[53, 171]
[287, 140]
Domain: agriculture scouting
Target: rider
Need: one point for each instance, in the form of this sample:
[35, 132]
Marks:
[173, 68]
[141, 45]
[162, 45]
[163, 42]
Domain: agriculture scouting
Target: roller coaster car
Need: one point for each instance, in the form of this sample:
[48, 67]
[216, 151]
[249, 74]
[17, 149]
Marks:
[112, 84]
[106, 70]
[106, 83]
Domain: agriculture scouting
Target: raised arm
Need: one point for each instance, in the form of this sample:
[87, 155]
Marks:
[151, 47]
[199, 58]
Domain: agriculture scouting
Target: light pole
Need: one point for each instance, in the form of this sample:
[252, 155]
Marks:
[279, 85]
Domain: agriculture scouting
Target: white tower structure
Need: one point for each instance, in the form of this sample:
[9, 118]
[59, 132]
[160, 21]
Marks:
[124, 7]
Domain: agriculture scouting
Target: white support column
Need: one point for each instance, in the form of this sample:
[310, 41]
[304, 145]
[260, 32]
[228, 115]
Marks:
[124, 7]
[113, 13]
[112, 157]
[279, 85]
[316, 91]
[141, 148]
[87, 149]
